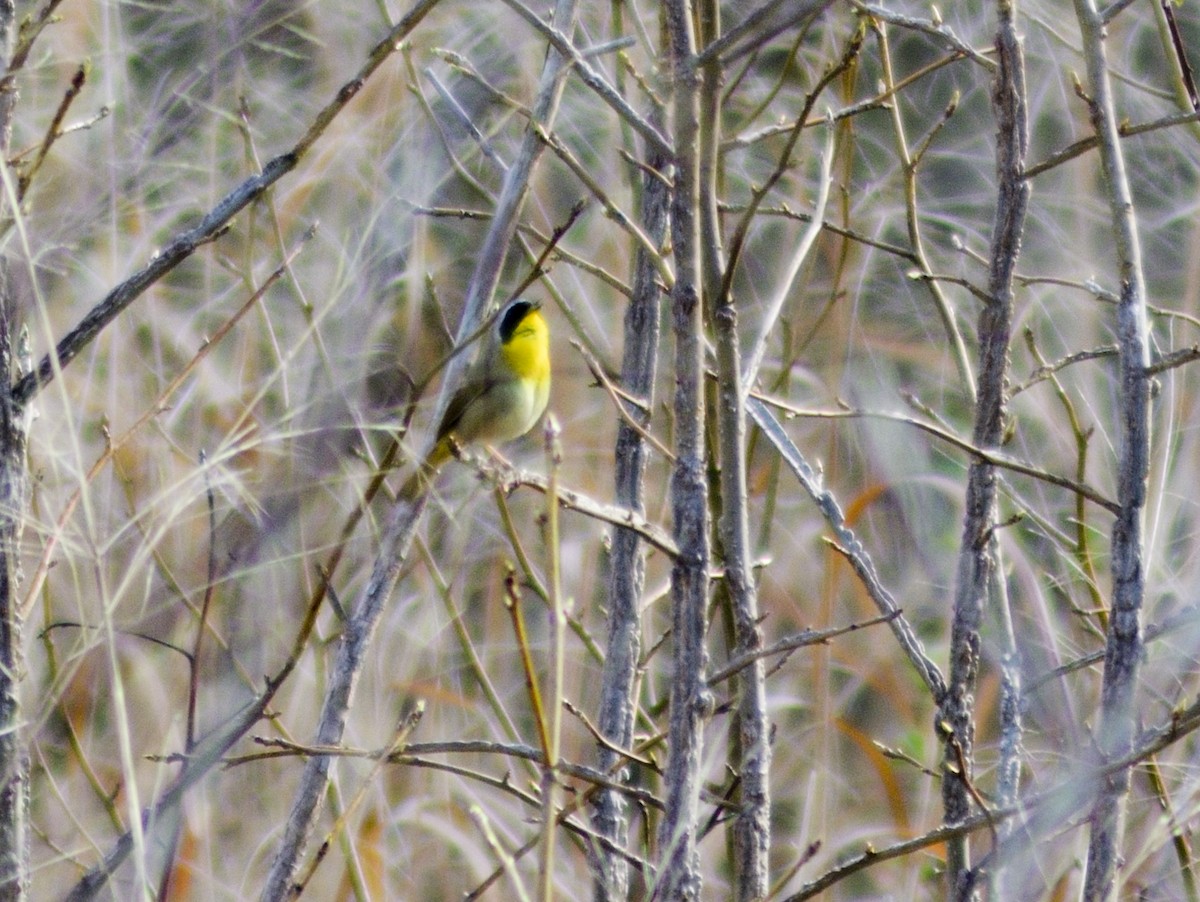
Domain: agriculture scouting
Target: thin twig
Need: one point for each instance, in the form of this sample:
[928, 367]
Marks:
[1175, 359]
[505, 857]
[1059, 802]
[791, 643]
[994, 458]
[799, 255]
[909, 164]
[1125, 130]
[408, 722]
[935, 29]
[649, 532]
[620, 399]
[209, 587]
[741, 231]
[786, 16]
[215, 223]
[1048, 370]
[851, 547]
[590, 77]
[54, 131]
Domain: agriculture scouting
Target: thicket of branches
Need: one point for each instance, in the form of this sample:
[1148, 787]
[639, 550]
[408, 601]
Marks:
[857, 556]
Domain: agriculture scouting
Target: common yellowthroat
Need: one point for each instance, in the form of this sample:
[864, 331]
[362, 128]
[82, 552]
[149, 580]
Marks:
[504, 393]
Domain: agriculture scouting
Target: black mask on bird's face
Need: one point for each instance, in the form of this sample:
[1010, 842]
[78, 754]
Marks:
[512, 317]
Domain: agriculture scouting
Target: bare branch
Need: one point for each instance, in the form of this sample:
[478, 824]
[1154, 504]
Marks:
[593, 79]
[627, 573]
[691, 702]
[791, 643]
[206, 754]
[994, 458]
[803, 246]
[979, 579]
[1124, 642]
[853, 549]
[909, 164]
[935, 29]
[1125, 130]
[759, 27]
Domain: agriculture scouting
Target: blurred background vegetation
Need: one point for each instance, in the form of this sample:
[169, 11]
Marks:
[183, 100]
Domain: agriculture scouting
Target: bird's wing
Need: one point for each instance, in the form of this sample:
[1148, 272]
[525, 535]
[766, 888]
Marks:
[475, 387]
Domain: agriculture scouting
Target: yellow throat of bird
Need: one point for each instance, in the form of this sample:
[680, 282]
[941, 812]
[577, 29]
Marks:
[527, 353]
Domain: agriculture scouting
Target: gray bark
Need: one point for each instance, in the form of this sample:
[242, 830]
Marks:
[14, 758]
[618, 701]
[1012, 144]
[14, 491]
[691, 702]
[1123, 647]
[752, 824]
[978, 577]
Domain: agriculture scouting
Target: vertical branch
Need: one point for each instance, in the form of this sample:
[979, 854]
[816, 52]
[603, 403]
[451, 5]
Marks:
[977, 572]
[14, 761]
[628, 567]
[751, 826]
[751, 829]
[979, 576]
[691, 702]
[343, 678]
[909, 164]
[1123, 648]
[558, 638]
[1009, 101]
[402, 522]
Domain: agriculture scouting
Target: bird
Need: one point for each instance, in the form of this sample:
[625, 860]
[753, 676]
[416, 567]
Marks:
[503, 394]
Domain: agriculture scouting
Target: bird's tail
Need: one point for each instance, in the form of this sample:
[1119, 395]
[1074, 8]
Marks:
[423, 476]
